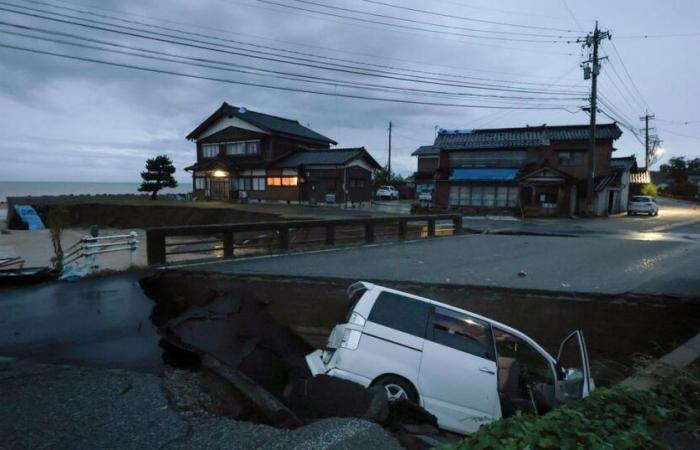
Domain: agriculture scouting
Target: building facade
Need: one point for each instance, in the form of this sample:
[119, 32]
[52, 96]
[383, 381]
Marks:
[536, 171]
[428, 158]
[244, 155]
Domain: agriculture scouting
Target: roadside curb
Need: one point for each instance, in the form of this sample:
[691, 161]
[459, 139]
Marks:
[679, 358]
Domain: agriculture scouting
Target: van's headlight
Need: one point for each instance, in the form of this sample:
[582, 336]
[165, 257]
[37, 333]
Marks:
[357, 319]
[351, 339]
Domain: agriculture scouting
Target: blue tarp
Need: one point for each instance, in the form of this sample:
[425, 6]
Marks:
[484, 174]
[30, 217]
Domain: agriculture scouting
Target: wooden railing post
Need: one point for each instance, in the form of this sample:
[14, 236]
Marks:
[284, 238]
[403, 228]
[330, 234]
[228, 244]
[155, 247]
[369, 232]
[431, 227]
[458, 225]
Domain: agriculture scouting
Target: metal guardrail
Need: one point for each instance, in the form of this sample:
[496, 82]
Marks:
[157, 248]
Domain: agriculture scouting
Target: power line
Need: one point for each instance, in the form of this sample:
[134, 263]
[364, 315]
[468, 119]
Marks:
[276, 74]
[470, 19]
[421, 22]
[306, 45]
[267, 56]
[624, 67]
[267, 86]
[407, 27]
[82, 11]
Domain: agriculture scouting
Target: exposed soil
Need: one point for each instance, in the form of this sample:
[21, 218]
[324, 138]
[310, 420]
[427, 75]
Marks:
[137, 215]
[618, 328]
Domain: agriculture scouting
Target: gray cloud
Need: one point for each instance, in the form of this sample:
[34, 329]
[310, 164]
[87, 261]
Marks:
[66, 120]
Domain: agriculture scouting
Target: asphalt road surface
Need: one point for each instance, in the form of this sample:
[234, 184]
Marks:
[659, 255]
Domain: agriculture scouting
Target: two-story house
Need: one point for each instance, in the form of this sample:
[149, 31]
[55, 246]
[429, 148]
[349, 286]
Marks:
[251, 156]
[428, 159]
[539, 170]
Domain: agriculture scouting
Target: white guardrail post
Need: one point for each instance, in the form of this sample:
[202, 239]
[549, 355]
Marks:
[80, 259]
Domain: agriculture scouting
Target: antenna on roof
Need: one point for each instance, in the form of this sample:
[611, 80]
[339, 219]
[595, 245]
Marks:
[242, 110]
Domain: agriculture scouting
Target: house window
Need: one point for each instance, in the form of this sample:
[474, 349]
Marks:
[235, 148]
[357, 183]
[251, 184]
[199, 183]
[570, 158]
[484, 195]
[282, 181]
[242, 148]
[210, 150]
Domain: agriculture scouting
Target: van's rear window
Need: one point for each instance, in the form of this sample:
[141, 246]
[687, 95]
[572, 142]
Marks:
[401, 313]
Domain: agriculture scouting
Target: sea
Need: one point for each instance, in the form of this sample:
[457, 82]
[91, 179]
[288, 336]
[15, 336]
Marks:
[38, 188]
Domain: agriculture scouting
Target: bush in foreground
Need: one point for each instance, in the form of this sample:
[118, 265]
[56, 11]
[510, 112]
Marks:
[610, 418]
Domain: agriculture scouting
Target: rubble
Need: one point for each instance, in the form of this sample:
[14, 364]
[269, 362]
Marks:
[242, 364]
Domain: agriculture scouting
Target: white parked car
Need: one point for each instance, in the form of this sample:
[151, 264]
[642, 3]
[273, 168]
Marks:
[464, 368]
[643, 204]
[425, 196]
[388, 192]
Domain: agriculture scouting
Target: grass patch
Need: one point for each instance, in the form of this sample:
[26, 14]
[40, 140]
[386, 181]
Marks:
[610, 418]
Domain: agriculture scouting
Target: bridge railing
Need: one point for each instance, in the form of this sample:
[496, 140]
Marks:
[182, 243]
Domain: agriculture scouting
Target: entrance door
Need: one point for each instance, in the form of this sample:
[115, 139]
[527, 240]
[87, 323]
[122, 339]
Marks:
[220, 188]
[457, 379]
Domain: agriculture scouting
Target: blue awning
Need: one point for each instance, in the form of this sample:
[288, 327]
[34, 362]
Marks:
[484, 174]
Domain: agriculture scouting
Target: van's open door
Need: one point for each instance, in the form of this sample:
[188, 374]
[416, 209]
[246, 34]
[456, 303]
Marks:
[574, 369]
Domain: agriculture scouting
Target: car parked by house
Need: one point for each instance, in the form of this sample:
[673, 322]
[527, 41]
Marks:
[387, 192]
[643, 204]
[464, 368]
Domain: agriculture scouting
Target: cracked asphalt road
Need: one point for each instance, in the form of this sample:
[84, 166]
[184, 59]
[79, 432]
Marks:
[70, 407]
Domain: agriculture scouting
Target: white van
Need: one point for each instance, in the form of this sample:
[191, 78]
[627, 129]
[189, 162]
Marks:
[463, 368]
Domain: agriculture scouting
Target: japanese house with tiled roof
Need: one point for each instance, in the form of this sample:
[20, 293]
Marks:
[244, 155]
[540, 170]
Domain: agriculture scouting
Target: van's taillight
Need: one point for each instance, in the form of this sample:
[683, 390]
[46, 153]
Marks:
[351, 339]
[357, 319]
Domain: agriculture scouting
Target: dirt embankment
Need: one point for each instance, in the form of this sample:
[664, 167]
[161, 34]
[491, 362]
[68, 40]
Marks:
[617, 327]
[136, 215]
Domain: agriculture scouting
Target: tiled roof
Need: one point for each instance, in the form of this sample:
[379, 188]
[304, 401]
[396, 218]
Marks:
[310, 157]
[520, 137]
[484, 174]
[263, 121]
[625, 163]
[426, 150]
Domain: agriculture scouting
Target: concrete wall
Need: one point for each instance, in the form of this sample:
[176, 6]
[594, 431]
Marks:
[615, 327]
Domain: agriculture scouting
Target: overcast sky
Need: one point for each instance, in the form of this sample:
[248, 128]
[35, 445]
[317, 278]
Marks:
[69, 120]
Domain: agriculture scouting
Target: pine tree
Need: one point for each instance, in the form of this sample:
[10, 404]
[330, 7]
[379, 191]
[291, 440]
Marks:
[158, 175]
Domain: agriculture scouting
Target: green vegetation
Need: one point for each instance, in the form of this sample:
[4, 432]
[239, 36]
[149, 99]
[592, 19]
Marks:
[678, 170]
[158, 175]
[610, 418]
[57, 221]
[650, 189]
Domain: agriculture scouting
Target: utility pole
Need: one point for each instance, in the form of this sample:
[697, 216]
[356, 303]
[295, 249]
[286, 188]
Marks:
[647, 146]
[592, 40]
[388, 166]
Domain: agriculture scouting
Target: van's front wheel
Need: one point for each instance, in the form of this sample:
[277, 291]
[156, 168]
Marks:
[397, 388]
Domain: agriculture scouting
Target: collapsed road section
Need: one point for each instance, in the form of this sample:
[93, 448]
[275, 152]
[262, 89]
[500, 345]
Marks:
[250, 335]
[254, 369]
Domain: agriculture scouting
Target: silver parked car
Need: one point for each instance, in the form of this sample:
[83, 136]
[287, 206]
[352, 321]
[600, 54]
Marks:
[643, 204]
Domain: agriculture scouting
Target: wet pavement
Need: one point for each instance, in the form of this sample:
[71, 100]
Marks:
[101, 321]
[571, 264]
